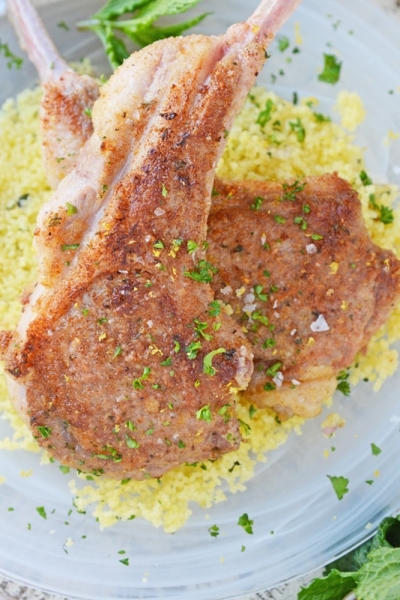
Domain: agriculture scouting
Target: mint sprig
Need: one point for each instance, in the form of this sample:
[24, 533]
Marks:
[371, 572]
[135, 20]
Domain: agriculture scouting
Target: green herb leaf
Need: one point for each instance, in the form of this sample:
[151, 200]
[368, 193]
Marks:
[331, 70]
[344, 387]
[13, 60]
[67, 247]
[340, 485]
[204, 272]
[379, 577]
[213, 530]
[41, 511]
[204, 414]
[246, 523]
[207, 361]
[71, 209]
[266, 114]
[375, 450]
[45, 432]
[333, 587]
[136, 19]
[283, 43]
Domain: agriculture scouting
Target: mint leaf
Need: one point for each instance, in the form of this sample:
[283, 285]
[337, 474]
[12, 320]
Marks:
[333, 587]
[379, 577]
[339, 484]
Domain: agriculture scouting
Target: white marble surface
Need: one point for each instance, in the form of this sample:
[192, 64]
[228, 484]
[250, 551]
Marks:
[14, 590]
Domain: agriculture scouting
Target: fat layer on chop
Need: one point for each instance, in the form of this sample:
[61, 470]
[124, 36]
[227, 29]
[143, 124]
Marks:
[304, 280]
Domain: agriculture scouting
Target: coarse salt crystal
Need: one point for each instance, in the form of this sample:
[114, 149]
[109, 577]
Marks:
[278, 379]
[159, 212]
[150, 323]
[295, 382]
[311, 248]
[319, 325]
[293, 331]
[147, 238]
[275, 304]
[276, 315]
[226, 290]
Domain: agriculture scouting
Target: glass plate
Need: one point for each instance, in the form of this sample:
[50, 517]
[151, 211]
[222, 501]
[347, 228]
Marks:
[290, 495]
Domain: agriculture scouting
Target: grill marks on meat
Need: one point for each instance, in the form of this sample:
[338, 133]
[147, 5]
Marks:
[119, 366]
[280, 283]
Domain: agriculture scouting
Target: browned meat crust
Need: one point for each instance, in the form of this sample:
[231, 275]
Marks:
[304, 281]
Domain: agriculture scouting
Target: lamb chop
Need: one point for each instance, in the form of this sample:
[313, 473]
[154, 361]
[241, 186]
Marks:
[301, 275]
[65, 122]
[121, 362]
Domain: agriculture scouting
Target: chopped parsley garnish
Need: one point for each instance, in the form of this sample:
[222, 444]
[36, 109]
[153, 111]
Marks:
[45, 432]
[340, 485]
[164, 191]
[252, 411]
[131, 443]
[67, 247]
[213, 530]
[117, 351]
[320, 118]
[290, 190]
[204, 414]
[258, 291]
[257, 316]
[125, 561]
[375, 450]
[245, 426]
[297, 127]
[266, 114]
[159, 245]
[207, 361]
[192, 350]
[365, 178]
[88, 112]
[71, 209]
[343, 385]
[138, 383]
[192, 246]
[64, 469]
[215, 309]
[257, 203]
[280, 219]
[13, 60]
[331, 70]
[41, 511]
[167, 362]
[283, 43]
[385, 213]
[204, 273]
[200, 327]
[272, 371]
[246, 523]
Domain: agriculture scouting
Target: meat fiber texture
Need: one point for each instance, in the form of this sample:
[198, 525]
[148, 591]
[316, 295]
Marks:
[303, 279]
